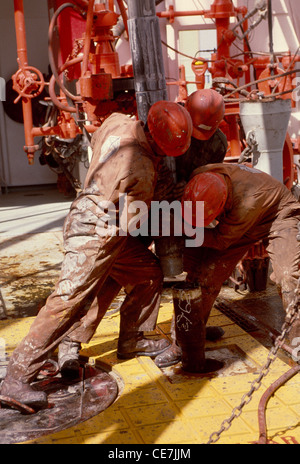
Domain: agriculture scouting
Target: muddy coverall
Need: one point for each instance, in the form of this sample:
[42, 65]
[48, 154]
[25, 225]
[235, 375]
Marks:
[258, 208]
[98, 263]
[200, 153]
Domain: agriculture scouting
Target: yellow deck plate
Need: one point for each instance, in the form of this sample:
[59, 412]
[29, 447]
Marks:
[169, 407]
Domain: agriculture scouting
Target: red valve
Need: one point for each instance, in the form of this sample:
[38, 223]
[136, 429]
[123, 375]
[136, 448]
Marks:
[28, 82]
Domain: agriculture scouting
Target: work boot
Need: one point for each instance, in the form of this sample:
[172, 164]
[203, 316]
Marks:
[213, 333]
[138, 345]
[172, 355]
[23, 393]
[68, 358]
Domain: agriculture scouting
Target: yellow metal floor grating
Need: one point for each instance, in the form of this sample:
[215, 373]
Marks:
[168, 406]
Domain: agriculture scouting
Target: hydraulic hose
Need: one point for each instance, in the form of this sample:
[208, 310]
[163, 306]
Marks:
[52, 82]
[50, 48]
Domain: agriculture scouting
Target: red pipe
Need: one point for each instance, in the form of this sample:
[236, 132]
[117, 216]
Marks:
[263, 436]
[52, 93]
[55, 130]
[171, 14]
[30, 147]
[124, 14]
[88, 38]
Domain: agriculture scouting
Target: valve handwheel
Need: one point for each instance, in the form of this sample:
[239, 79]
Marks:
[28, 82]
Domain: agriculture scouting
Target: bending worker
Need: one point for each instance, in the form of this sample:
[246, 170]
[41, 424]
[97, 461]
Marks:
[249, 206]
[125, 161]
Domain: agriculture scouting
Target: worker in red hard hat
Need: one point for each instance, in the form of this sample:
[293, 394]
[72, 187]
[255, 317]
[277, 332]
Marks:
[209, 188]
[208, 143]
[207, 110]
[100, 260]
[248, 206]
[170, 128]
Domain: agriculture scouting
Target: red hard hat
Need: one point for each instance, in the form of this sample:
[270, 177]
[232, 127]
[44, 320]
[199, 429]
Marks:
[207, 110]
[171, 127]
[207, 187]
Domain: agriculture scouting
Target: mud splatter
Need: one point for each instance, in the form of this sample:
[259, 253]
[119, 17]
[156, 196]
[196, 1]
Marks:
[29, 270]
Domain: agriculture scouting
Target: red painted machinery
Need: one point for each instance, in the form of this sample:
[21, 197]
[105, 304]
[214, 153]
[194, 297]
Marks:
[81, 51]
[228, 73]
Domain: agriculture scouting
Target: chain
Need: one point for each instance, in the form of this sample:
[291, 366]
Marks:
[251, 147]
[291, 316]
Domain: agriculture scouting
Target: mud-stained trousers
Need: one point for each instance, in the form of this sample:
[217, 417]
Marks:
[137, 270]
[211, 268]
[93, 271]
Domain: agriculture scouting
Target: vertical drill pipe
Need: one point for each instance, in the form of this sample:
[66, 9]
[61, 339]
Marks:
[30, 148]
[147, 56]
